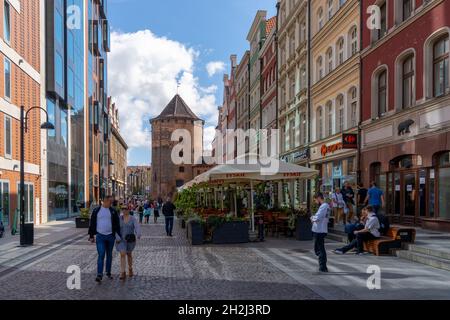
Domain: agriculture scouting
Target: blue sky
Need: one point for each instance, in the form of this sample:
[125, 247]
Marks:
[211, 29]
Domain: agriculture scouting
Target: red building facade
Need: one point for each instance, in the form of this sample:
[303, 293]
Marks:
[405, 138]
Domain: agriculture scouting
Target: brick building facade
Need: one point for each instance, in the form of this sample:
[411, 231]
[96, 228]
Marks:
[168, 176]
[21, 79]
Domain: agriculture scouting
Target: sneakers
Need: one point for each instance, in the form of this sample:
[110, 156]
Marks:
[362, 253]
[323, 270]
[339, 252]
[98, 279]
[109, 276]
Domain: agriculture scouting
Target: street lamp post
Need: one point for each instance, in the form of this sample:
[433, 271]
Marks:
[27, 233]
[111, 163]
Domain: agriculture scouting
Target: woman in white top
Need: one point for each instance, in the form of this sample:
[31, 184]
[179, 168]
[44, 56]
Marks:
[338, 204]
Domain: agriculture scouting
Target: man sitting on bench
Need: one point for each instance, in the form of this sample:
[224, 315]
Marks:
[371, 231]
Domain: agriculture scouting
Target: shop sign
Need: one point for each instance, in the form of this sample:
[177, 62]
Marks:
[349, 141]
[337, 171]
[325, 150]
[301, 155]
[235, 175]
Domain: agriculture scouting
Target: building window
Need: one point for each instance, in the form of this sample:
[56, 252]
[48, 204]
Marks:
[340, 52]
[7, 22]
[292, 88]
[8, 137]
[408, 82]
[353, 41]
[341, 2]
[59, 28]
[7, 76]
[181, 169]
[353, 107]
[340, 113]
[444, 185]
[51, 117]
[319, 123]
[383, 21]
[441, 66]
[320, 19]
[319, 69]
[329, 118]
[330, 9]
[59, 71]
[330, 60]
[292, 134]
[303, 127]
[382, 93]
[407, 9]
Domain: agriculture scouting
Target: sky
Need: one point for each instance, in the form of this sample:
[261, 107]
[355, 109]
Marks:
[156, 45]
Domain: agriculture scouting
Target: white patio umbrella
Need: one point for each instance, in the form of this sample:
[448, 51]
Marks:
[251, 169]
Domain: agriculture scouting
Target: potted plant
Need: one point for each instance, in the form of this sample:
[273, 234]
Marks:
[195, 230]
[83, 221]
[303, 229]
[228, 230]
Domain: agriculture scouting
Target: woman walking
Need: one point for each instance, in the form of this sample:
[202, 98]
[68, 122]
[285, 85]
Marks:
[130, 231]
[157, 208]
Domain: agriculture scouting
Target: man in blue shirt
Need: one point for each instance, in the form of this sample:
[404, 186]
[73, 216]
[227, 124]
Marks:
[375, 197]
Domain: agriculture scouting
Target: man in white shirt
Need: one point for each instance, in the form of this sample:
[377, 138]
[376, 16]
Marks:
[104, 230]
[320, 230]
[371, 231]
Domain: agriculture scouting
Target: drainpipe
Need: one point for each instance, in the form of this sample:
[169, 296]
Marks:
[358, 156]
[308, 187]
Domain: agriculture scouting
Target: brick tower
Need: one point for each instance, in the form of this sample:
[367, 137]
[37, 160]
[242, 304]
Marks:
[167, 176]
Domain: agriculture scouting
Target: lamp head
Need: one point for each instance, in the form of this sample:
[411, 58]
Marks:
[47, 126]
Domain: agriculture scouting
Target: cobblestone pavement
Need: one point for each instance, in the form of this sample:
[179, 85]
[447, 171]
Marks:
[169, 268]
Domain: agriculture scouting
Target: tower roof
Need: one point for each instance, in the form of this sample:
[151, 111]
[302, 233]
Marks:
[177, 108]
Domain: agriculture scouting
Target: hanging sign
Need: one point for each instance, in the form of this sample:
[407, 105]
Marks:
[349, 141]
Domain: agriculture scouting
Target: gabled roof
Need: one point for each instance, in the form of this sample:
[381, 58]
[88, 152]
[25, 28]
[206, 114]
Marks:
[270, 24]
[177, 108]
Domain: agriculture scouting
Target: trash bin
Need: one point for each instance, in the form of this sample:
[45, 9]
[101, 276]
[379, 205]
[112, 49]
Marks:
[27, 234]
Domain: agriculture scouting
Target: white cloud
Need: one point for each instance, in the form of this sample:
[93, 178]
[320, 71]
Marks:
[215, 67]
[208, 137]
[143, 74]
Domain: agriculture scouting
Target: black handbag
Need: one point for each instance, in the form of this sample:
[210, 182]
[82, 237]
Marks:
[130, 238]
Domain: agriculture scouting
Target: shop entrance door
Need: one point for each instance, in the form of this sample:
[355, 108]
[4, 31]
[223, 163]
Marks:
[410, 197]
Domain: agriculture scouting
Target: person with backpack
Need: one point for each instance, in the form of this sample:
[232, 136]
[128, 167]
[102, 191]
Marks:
[371, 231]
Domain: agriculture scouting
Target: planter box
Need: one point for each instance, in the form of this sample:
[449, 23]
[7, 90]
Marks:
[303, 229]
[82, 223]
[195, 233]
[231, 232]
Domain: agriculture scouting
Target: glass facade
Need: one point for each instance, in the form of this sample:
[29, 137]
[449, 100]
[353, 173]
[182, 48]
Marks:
[66, 110]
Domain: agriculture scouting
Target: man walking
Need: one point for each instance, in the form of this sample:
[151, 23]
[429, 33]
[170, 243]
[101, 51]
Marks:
[375, 198]
[320, 230]
[104, 230]
[168, 211]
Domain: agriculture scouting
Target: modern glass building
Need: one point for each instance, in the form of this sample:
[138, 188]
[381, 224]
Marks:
[65, 89]
[99, 130]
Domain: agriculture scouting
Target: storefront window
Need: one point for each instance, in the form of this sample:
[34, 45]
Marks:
[432, 202]
[444, 186]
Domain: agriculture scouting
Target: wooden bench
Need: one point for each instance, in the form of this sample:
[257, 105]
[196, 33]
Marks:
[393, 240]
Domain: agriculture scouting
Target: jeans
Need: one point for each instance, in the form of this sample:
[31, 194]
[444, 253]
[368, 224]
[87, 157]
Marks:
[169, 225]
[319, 249]
[105, 246]
[350, 230]
[359, 242]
